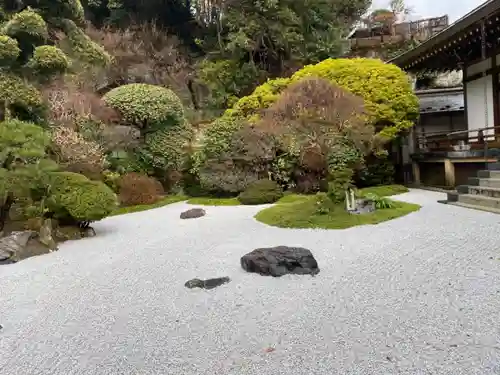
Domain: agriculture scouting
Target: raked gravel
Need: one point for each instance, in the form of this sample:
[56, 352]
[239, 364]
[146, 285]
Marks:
[416, 295]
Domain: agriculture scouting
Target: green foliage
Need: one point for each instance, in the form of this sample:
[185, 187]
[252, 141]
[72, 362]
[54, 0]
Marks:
[148, 107]
[24, 101]
[80, 47]
[385, 89]
[377, 171]
[384, 190]
[388, 96]
[73, 197]
[380, 202]
[227, 80]
[22, 152]
[324, 204]
[48, 60]
[166, 150]
[27, 26]
[216, 140]
[304, 214]
[9, 50]
[71, 9]
[214, 201]
[340, 179]
[261, 192]
[21, 141]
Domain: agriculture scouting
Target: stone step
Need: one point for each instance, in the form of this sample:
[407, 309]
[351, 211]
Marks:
[488, 174]
[479, 200]
[493, 166]
[489, 182]
[485, 191]
[474, 207]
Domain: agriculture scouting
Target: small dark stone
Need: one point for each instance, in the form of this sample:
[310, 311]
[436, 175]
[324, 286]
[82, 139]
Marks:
[206, 284]
[280, 260]
[193, 213]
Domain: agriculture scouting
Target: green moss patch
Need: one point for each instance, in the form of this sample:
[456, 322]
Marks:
[383, 190]
[208, 201]
[301, 212]
[143, 207]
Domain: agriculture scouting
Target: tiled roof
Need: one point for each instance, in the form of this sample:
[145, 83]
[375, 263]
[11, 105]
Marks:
[439, 100]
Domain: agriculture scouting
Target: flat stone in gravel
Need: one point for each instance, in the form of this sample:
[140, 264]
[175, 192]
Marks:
[280, 260]
[207, 284]
[193, 213]
[412, 296]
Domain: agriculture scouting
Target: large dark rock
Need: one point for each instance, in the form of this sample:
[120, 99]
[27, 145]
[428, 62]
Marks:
[280, 260]
[193, 213]
[206, 284]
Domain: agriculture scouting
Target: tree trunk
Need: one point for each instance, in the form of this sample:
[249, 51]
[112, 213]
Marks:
[4, 210]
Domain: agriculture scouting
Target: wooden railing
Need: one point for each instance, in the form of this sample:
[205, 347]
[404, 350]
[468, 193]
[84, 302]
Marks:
[458, 140]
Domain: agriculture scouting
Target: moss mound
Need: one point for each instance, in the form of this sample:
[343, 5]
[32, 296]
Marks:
[261, 192]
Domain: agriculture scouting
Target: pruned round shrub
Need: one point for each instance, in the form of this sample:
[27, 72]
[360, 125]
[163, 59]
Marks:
[27, 25]
[148, 107]
[79, 45]
[165, 152]
[9, 50]
[136, 188]
[75, 198]
[48, 60]
[261, 192]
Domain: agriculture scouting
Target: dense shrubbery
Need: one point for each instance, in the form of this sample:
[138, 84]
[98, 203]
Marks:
[261, 192]
[136, 188]
[312, 127]
[74, 198]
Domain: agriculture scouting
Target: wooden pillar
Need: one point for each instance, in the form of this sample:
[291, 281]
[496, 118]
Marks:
[449, 173]
[416, 173]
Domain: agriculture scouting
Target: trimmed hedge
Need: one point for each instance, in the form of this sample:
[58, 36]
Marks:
[261, 192]
[148, 107]
[73, 197]
[48, 60]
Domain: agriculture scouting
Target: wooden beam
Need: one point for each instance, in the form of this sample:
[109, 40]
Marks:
[449, 173]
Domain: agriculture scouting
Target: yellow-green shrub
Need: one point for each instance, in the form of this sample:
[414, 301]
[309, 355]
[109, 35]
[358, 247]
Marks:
[81, 47]
[385, 89]
[148, 107]
[9, 50]
[73, 197]
[48, 60]
[27, 24]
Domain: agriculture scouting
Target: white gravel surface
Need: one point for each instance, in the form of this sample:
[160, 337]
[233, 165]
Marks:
[416, 295]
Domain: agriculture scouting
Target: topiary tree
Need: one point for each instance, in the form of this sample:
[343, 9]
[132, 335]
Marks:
[73, 198]
[28, 53]
[148, 107]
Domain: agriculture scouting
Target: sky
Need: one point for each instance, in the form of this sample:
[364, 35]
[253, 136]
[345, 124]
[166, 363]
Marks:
[435, 8]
